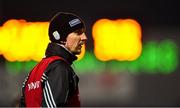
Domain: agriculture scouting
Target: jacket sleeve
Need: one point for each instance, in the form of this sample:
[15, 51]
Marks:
[56, 87]
[22, 98]
[22, 102]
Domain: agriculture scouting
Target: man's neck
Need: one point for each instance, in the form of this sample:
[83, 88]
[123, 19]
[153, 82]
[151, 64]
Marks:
[65, 48]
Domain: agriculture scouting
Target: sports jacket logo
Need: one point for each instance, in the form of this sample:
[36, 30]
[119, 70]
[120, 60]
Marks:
[33, 85]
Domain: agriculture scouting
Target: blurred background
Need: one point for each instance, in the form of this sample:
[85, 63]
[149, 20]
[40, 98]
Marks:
[151, 78]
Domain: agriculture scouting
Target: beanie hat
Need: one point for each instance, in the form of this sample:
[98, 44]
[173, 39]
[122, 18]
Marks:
[62, 24]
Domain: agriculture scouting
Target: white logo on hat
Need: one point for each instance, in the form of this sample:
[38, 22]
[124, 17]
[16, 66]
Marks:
[56, 35]
[74, 22]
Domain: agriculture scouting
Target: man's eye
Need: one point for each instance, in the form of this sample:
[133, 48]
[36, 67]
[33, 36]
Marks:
[80, 31]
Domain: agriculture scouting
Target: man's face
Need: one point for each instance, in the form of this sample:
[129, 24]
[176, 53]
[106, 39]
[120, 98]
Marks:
[75, 40]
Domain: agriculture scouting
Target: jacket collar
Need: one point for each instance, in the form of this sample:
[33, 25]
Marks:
[55, 49]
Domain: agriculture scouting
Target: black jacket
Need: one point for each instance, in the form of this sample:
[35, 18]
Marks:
[59, 78]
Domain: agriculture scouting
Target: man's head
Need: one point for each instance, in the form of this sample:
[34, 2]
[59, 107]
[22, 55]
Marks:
[68, 29]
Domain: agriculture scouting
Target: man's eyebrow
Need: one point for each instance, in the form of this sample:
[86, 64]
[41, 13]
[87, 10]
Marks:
[80, 31]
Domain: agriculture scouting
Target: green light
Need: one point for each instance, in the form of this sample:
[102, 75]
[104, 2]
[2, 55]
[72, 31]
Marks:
[156, 58]
[116, 65]
[134, 67]
[124, 66]
[168, 56]
[148, 59]
[14, 67]
[18, 67]
[89, 64]
[28, 66]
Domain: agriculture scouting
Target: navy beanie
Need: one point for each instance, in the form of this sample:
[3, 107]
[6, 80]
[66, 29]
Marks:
[62, 24]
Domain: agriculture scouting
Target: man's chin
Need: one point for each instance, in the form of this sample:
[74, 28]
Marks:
[77, 52]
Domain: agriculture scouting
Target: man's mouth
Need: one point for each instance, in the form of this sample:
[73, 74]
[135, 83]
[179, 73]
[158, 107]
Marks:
[80, 46]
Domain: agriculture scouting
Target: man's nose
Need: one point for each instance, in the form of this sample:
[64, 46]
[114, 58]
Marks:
[83, 36]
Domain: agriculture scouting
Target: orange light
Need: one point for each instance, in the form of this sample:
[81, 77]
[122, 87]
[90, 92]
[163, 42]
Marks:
[23, 41]
[117, 39]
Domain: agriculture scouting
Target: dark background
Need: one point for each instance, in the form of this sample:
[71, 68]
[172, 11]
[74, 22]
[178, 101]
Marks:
[149, 13]
[159, 19]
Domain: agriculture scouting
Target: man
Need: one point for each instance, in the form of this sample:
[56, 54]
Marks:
[52, 82]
